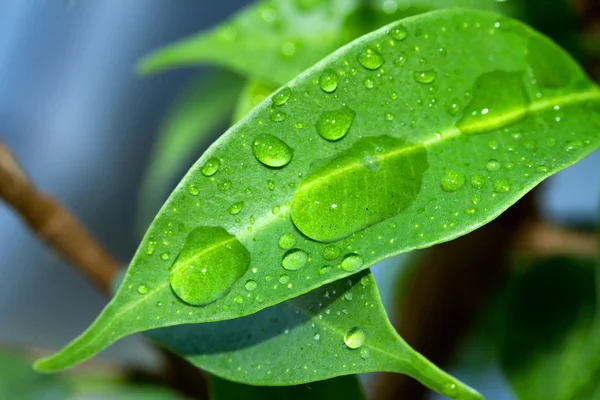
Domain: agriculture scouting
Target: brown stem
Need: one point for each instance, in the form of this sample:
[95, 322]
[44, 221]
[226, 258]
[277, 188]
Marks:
[54, 224]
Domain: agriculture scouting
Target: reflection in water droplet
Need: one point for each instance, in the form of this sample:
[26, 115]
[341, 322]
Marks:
[165, 255]
[328, 80]
[425, 76]
[370, 59]
[277, 116]
[210, 262]
[369, 84]
[281, 97]
[236, 208]
[287, 241]
[398, 32]
[271, 151]
[355, 337]
[150, 246]
[294, 260]
[502, 186]
[192, 189]
[334, 125]
[493, 165]
[477, 181]
[573, 145]
[352, 262]
[211, 167]
[331, 252]
[452, 181]
[250, 285]
[364, 353]
[142, 289]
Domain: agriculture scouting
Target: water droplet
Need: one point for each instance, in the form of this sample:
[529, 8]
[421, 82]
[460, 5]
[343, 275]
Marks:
[364, 353]
[316, 336]
[400, 60]
[452, 181]
[236, 208]
[352, 262]
[493, 165]
[192, 189]
[365, 281]
[142, 289]
[426, 77]
[281, 97]
[348, 296]
[323, 270]
[250, 285]
[331, 252]
[326, 208]
[277, 116]
[502, 186]
[210, 262]
[211, 167]
[225, 185]
[573, 145]
[471, 211]
[477, 181]
[238, 299]
[294, 260]
[370, 162]
[355, 337]
[271, 151]
[399, 32]
[287, 241]
[165, 255]
[369, 84]
[370, 59]
[150, 246]
[270, 185]
[283, 279]
[389, 116]
[334, 125]
[328, 80]
[542, 168]
[493, 144]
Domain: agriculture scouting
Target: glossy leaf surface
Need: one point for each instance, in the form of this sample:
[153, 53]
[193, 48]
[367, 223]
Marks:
[284, 37]
[468, 111]
[338, 329]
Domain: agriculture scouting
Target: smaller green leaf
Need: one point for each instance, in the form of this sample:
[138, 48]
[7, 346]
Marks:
[342, 388]
[197, 112]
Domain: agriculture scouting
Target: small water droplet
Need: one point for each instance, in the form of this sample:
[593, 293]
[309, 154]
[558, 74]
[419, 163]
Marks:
[271, 151]
[236, 208]
[238, 299]
[225, 185]
[317, 336]
[477, 181]
[192, 189]
[334, 125]
[250, 285]
[542, 168]
[493, 165]
[323, 270]
[165, 255]
[328, 81]
[211, 167]
[355, 337]
[400, 60]
[573, 145]
[270, 185]
[331, 252]
[502, 186]
[294, 260]
[364, 353]
[277, 116]
[370, 162]
[399, 32]
[150, 246]
[281, 97]
[348, 296]
[352, 262]
[283, 279]
[142, 289]
[369, 84]
[452, 181]
[389, 116]
[493, 144]
[425, 77]
[365, 281]
[370, 59]
[471, 211]
[268, 277]
[287, 241]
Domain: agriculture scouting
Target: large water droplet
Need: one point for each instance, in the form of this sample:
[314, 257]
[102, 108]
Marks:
[210, 262]
[426, 77]
[452, 181]
[211, 166]
[250, 285]
[398, 32]
[328, 80]
[370, 59]
[294, 259]
[334, 125]
[355, 337]
[236, 208]
[281, 97]
[340, 196]
[287, 241]
[271, 151]
[477, 181]
[352, 262]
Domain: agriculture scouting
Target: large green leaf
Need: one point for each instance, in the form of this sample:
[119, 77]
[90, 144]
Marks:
[283, 37]
[343, 388]
[543, 331]
[206, 105]
[338, 329]
[439, 131]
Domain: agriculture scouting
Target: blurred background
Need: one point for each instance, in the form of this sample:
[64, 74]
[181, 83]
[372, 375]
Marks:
[82, 124]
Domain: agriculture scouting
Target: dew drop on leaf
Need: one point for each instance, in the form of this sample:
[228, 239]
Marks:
[236, 208]
[573, 145]
[294, 260]
[352, 262]
[271, 151]
[364, 353]
[452, 181]
[502, 186]
[493, 165]
[334, 125]
[142, 289]
[211, 261]
[225, 185]
[150, 246]
[283, 279]
[425, 77]
[477, 181]
[277, 116]
[328, 81]
[165, 255]
[192, 189]
[355, 337]
[211, 167]
[399, 32]
[331, 252]
[281, 97]
[250, 285]
[287, 241]
[370, 59]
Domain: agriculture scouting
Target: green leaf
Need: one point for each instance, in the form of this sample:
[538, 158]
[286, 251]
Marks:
[342, 388]
[272, 41]
[444, 142]
[19, 381]
[340, 328]
[544, 331]
[206, 105]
